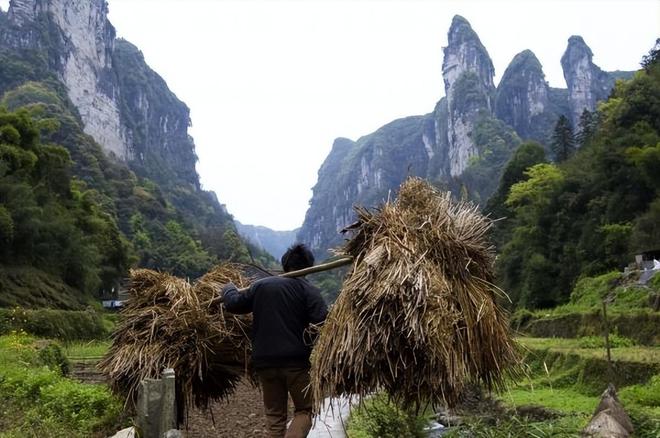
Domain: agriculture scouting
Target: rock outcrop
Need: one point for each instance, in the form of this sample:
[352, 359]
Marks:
[468, 73]
[124, 105]
[83, 40]
[610, 420]
[587, 83]
[523, 98]
[464, 143]
[362, 172]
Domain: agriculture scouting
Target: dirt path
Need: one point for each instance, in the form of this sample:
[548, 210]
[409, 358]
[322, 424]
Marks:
[240, 417]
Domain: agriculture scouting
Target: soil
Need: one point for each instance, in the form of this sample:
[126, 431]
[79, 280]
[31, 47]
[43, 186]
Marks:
[242, 416]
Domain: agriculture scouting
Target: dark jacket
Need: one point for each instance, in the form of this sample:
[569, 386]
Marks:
[282, 309]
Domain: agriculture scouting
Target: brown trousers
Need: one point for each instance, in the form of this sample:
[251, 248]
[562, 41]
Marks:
[277, 384]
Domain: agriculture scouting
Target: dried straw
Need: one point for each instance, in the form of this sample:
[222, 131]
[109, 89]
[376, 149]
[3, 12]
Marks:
[169, 323]
[417, 316]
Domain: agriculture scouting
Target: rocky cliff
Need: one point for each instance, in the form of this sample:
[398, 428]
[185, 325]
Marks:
[467, 72]
[523, 98]
[123, 104]
[362, 171]
[464, 143]
[124, 130]
[587, 83]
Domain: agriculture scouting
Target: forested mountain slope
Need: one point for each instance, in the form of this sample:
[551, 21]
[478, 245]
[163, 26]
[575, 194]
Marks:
[97, 169]
[591, 212]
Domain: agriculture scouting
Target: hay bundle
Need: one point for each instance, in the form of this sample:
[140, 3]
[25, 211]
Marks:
[169, 323]
[417, 315]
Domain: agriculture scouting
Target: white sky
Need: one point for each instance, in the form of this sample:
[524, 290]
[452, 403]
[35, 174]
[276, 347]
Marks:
[272, 83]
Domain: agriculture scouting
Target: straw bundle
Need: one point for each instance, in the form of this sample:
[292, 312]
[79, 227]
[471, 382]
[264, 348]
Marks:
[169, 323]
[417, 315]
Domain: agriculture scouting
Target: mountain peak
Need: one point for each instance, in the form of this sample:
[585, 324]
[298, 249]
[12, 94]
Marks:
[461, 31]
[526, 60]
[577, 49]
[587, 83]
[523, 96]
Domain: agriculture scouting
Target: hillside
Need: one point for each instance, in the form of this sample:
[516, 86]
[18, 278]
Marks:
[98, 169]
[273, 242]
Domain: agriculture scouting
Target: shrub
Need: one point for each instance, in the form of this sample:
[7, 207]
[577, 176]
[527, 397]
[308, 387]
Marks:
[590, 291]
[599, 341]
[380, 417]
[63, 325]
[39, 401]
[54, 358]
[647, 394]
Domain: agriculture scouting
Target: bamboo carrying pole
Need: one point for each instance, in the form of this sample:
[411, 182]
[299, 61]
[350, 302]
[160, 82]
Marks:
[311, 270]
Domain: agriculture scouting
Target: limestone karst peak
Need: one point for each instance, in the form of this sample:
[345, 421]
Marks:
[527, 56]
[525, 61]
[461, 31]
[586, 82]
[577, 49]
[523, 96]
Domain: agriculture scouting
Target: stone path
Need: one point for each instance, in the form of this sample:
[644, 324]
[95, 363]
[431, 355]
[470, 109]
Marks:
[331, 422]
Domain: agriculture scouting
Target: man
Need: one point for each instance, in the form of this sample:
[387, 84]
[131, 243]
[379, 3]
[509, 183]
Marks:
[282, 309]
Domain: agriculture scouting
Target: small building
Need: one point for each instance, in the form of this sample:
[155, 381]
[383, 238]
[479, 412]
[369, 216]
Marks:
[112, 304]
[645, 260]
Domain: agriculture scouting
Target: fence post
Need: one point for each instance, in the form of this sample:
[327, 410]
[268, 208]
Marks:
[168, 402]
[156, 405]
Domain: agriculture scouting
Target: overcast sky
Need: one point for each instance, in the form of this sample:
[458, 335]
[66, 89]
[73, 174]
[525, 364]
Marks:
[271, 84]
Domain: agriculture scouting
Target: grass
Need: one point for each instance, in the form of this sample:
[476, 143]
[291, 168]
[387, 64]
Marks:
[566, 378]
[623, 294]
[643, 354]
[564, 400]
[38, 401]
[378, 416]
[91, 350]
[516, 427]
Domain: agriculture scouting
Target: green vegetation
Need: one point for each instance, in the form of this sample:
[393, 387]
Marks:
[89, 350]
[67, 239]
[378, 416]
[563, 140]
[562, 389]
[32, 287]
[590, 213]
[629, 314]
[56, 324]
[50, 221]
[469, 93]
[640, 326]
[496, 143]
[38, 401]
[623, 349]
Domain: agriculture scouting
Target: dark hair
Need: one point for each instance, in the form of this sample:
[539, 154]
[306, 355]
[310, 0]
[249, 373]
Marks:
[297, 257]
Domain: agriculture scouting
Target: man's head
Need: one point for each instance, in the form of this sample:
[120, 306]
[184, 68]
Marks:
[297, 257]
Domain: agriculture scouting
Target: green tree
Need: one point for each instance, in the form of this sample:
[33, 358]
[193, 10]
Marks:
[563, 142]
[587, 214]
[646, 231]
[651, 59]
[6, 227]
[586, 127]
[177, 252]
[525, 266]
